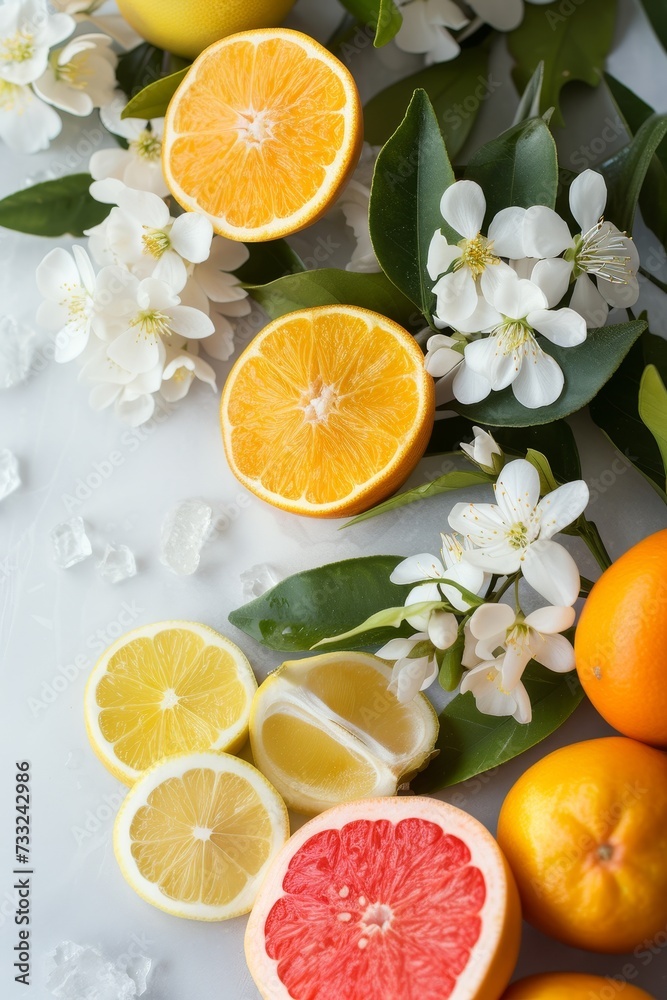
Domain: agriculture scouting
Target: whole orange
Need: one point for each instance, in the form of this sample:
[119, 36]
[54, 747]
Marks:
[585, 833]
[573, 986]
[621, 642]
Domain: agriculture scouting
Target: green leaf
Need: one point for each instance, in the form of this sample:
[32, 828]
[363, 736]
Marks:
[657, 15]
[520, 167]
[529, 105]
[382, 15]
[411, 174]
[616, 410]
[626, 170]
[443, 484]
[389, 618]
[54, 208]
[153, 100]
[451, 668]
[268, 261]
[328, 286]
[572, 41]
[456, 90]
[541, 463]
[317, 603]
[140, 67]
[653, 408]
[586, 369]
[470, 742]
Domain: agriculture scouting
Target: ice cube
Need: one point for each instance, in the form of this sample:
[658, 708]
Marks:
[17, 351]
[138, 969]
[257, 580]
[184, 532]
[117, 564]
[80, 972]
[10, 479]
[70, 542]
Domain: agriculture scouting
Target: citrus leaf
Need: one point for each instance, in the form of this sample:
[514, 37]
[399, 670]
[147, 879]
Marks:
[529, 104]
[456, 90]
[653, 408]
[657, 15]
[329, 286]
[139, 67]
[572, 41]
[520, 167]
[382, 15]
[541, 463]
[411, 174]
[443, 484]
[586, 369]
[54, 208]
[626, 170]
[470, 742]
[322, 602]
[451, 667]
[389, 618]
[153, 100]
[268, 261]
[616, 410]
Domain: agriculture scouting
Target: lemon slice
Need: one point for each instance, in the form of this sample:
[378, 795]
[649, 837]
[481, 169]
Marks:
[167, 688]
[325, 730]
[196, 834]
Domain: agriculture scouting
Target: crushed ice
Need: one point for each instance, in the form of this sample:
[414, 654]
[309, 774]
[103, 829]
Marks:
[184, 531]
[17, 352]
[70, 543]
[257, 580]
[81, 972]
[10, 478]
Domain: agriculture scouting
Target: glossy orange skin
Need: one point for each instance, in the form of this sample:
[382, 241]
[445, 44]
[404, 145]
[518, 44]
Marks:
[573, 986]
[621, 642]
[585, 833]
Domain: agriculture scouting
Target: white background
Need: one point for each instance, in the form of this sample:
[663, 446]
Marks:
[54, 622]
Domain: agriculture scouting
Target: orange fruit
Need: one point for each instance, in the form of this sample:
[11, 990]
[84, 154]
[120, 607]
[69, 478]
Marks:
[262, 134]
[585, 833]
[621, 642]
[386, 899]
[573, 986]
[327, 411]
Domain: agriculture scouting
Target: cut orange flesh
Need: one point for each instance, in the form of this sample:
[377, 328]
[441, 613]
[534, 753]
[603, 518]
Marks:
[327, 411]
[262, 133]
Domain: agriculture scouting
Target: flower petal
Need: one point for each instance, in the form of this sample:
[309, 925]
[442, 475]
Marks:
[397, 648]
[469, 386]
[491, 619]
[545, 234]
[550, 570]
[563, 327]
[55, 271]
[442, 629]
[517, 491]
[414, 569]
[191, 236]
[190, 323]
[418, 595]
[463, 206]
[524, 710]
[552, 619]
[504, 16]
[588, 197]
[134, 353]
[554, 652]
[540, 380]
[456, 295]
[562, 506]
[506, 232]
[441, 255]
[553, 277]
[469, 576]
[587, 301]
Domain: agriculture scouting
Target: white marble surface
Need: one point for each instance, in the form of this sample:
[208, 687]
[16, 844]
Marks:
[54, 622]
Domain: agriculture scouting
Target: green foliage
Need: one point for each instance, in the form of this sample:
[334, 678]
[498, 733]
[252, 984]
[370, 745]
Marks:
[268, 261]
[144, 65]
[153, 100]
[54, 208]
[382, 16]
[653, 408]
[443, 484]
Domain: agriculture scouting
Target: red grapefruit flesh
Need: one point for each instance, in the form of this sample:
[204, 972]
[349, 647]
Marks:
[386, 899]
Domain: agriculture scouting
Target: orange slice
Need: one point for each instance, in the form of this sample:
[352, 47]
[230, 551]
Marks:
[262, 133]
[327, 411]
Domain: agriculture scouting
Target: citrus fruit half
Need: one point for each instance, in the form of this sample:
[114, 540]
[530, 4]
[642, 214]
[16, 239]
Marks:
[185, 27]
[262, 134]
[327, 411]
[573, 986]
[325, 730]
[196, 834]
[167, 688]
[386, 899]
[621, 642]
[585, 833]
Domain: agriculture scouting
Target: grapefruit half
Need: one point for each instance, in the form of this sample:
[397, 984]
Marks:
[386, 899]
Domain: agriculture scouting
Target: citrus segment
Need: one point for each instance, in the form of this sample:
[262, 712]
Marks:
[585, 832]
[327, 411]
[196, 834]
[386, 899]
[621, 643]
[167, 688]
[262, 133]
[573, 986]
[325, 730]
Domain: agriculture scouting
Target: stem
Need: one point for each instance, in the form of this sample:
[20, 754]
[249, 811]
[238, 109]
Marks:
[516, 593]
[652, 278]
[593, 540]
[505, 586]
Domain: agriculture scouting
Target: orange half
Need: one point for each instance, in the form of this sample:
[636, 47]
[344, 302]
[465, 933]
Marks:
[262, 133]
[327, 411]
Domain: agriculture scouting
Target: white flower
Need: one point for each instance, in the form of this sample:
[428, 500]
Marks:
[181, 369]
[81, 76]
[516, 532]
[442, 361]
[132, 396]
[141, 234]
[142, 318]
[353, 203]
[505, 15]
[140, 165]
[112, 23]
[483, 450]
[471, 268]
[27, 32]
[414, 673]
[26, 123]
[216, 291]
[424, 28]
[511, 355]
[69, 286]
[451, 566]
[491, 695]
[533, 637]
[600, 250]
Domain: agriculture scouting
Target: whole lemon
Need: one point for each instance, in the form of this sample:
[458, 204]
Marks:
[186, 27]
